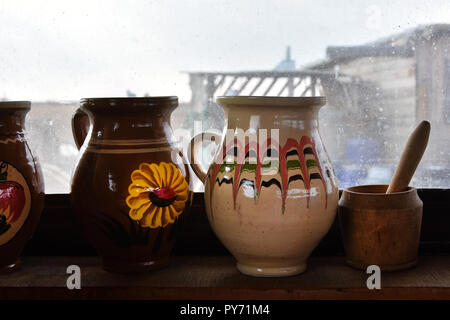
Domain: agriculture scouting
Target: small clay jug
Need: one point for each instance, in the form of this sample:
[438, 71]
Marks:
[130, 187]
[21, 185]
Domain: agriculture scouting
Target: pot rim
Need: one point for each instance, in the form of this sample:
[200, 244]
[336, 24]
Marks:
[154, 99]
[22, 104]
[125, 103]
[272, 101]
[351, 190]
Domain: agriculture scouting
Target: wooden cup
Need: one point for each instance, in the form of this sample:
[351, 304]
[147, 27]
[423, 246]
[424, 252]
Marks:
[380, 229]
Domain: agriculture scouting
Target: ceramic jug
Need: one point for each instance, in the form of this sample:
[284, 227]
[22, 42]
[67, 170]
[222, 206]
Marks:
[271, 193]
[21, 185]
[130, 188]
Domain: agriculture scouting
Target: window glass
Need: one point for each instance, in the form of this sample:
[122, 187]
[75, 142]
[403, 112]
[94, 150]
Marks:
[383, 66]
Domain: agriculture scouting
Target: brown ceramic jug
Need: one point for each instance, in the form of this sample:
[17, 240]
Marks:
[21, 185]
[130, 188]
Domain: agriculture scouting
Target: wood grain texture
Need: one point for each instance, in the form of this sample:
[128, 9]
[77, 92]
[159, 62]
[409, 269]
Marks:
[217, 278]
[410, 159]
[379, 228]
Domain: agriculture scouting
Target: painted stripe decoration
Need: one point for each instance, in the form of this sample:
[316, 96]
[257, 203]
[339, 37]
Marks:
[12, 140]
[294, 155]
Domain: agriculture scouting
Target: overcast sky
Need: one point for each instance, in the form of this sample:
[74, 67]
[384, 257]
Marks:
[66, 49]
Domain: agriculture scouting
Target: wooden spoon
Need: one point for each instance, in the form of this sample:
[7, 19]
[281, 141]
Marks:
[410, 159]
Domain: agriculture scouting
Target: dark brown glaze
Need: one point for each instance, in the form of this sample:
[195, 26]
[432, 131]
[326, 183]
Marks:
[80, 127]
[125, 133]
[21, 185]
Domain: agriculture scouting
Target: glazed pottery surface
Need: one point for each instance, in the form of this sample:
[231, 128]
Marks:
[380, 229]
[271, 201]
[21, 185]
[130, 188]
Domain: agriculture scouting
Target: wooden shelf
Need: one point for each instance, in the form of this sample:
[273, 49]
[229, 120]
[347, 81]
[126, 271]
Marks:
[202, 270]
[216, 277]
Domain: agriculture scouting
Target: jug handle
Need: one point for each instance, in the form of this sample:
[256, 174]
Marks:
[80, 127]
[193, 152]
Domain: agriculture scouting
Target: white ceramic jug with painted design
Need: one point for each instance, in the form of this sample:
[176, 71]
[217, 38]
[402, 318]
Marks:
[271, 193]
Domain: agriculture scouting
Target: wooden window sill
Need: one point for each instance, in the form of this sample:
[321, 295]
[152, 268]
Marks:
[203, 269]
[215, 277]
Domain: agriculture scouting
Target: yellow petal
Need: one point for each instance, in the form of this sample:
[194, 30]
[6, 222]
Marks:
[163, 174]
[156, 174]
[137, 189]
[175, 173]
[134, 202]
[148, 217]
[177, 180]
[173, 212]
[182, 187]
[147, 171]
[156, 219]
[182, 196]
[179, 205]
[137, 214]
[142, 183]
[140, 178]
[169, 171]
[166, 218]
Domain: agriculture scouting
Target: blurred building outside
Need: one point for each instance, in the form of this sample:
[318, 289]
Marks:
[376, 94]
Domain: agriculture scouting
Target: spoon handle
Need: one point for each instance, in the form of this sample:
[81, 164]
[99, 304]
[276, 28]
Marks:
[410, 159]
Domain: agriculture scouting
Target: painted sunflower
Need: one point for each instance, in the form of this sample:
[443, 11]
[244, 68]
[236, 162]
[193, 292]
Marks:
[157, 194]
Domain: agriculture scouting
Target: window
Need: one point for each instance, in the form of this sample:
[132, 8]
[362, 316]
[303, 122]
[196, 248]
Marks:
[383, 67]
[447, 90]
